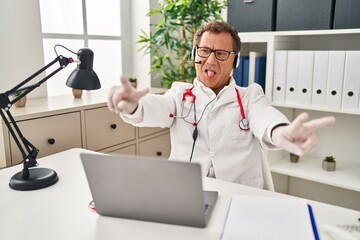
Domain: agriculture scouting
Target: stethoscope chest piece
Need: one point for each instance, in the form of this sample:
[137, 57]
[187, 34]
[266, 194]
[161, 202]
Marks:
[244, 124]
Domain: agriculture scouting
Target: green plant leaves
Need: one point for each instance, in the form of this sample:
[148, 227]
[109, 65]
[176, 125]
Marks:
[170, 42]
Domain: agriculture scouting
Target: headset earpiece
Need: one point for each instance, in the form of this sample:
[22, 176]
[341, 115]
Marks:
[236, 61]
[192, 54]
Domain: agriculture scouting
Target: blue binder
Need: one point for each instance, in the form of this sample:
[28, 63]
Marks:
[241, 73]
[260, 71]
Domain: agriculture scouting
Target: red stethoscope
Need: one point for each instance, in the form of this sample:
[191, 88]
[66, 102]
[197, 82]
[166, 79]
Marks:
[243, 123]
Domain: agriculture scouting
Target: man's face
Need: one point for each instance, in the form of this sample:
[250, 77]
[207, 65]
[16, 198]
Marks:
[212, 72]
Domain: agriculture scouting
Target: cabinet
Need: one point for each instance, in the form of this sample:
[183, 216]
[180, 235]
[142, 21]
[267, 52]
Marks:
[58, 123]
[105, 129]
[50, 134]
[306, 178]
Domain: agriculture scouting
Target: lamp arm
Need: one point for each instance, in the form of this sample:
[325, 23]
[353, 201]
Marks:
[29, 156]
[63, 61]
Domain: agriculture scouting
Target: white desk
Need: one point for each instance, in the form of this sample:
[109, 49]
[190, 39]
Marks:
[61, 211]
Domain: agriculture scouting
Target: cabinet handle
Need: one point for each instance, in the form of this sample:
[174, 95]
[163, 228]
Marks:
[113, 126]
[159, 153]
[51, 141]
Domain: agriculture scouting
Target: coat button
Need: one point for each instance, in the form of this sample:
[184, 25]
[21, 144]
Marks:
[212, 154]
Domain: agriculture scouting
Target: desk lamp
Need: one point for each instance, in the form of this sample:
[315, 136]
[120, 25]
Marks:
[83, 77]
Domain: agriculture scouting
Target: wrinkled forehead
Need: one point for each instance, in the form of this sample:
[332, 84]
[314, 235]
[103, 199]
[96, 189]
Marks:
[214, 40]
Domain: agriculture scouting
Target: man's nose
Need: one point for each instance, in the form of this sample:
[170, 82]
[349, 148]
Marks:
[211, 59]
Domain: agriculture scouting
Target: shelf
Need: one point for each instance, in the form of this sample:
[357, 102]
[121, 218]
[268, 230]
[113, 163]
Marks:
[341, 140]
[345, 176]
[321, 109]
[300, 33]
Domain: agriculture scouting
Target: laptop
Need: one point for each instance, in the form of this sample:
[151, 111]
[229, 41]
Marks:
[148, 189]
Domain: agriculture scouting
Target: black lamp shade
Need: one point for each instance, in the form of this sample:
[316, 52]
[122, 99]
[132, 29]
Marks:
[84, 77]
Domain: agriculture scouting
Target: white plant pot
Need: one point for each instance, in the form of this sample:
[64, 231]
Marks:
[328, 166]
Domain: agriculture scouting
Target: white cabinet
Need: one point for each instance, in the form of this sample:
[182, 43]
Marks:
[49, 134]
[105, 129]
[59, 123]
[158, 146]
[306, 178]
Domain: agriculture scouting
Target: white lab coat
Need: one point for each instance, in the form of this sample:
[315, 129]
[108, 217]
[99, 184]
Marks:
[234, 154]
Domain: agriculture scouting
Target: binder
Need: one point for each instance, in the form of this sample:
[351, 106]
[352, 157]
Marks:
[260, 71]
[320, 76]
[256, 65]
[245, 72]
[351, 89]
[335, 79]
[273, 218]
[237, 73]
[280, 62]
[241, 73]
[292, 75]
[306, 66]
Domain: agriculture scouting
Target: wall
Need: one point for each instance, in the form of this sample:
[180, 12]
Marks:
[21, 43]
[140, 62]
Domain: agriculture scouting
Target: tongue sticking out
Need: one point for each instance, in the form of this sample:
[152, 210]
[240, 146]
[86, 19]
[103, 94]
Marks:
[210, 74]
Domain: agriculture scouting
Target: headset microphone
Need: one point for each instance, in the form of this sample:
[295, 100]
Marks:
[197, 62]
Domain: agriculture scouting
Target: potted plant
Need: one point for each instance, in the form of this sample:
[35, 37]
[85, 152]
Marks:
[294, 158]
[77, 93]
[170, 41]
[22, 101]
[329, 163]
[133, 81]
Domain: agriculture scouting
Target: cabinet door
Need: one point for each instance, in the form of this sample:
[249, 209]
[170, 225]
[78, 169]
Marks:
[158, 146]
[146, 131]
[105, 129]
[130, 150]
[49, 134]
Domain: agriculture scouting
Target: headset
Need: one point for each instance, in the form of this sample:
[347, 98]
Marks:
[193, 54]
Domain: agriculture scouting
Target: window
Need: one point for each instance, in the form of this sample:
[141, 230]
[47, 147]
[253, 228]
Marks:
[102, 26]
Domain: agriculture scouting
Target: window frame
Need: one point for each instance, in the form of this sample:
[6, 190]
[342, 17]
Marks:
[124, 38]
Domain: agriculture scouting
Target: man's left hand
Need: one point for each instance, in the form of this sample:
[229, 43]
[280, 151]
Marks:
[299, 136]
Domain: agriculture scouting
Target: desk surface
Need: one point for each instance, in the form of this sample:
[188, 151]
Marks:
[61, 211]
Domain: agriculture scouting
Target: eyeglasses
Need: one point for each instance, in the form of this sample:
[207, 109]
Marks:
[220, 55]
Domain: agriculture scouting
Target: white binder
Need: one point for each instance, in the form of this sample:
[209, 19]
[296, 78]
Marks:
[279, 76]
[320, 76]
[335, 79]
[292, 75]
[351, 90]
[306, 66]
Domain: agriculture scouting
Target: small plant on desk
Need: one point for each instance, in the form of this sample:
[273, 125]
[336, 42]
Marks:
[22, 101]
[133, 81]
[329, 163]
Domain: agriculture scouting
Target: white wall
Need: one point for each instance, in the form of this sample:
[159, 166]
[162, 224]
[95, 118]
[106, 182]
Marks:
[21, 43]
[140, 62]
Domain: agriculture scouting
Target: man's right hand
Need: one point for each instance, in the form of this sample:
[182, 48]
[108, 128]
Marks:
[124, 98]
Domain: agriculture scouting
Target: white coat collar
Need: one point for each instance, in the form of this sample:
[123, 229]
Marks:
[227, 94]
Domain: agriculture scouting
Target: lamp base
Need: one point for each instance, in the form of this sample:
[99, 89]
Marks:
[38, 178]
